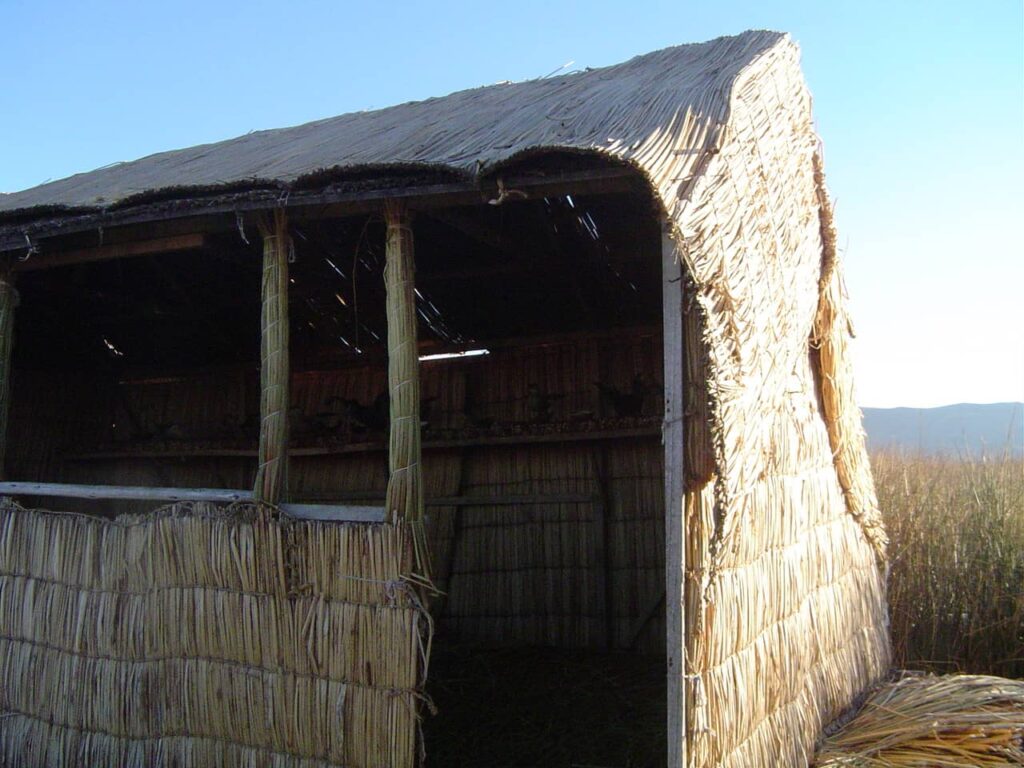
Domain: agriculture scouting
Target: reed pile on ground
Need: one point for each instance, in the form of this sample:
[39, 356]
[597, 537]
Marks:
[956, 590]
[933, 722]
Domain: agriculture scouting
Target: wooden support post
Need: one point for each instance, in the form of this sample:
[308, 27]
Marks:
[271, 484]
[675, 552]
[405, 482]
[8, 301]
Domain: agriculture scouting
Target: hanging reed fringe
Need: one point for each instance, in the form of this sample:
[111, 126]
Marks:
[405, 484]
[200, 636]
[831, 336]
[933, 722]
[8, 301]
[271, 483]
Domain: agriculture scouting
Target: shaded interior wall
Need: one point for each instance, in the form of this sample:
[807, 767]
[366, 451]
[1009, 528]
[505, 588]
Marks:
[528, 420]
[785, 596]
[204, 636]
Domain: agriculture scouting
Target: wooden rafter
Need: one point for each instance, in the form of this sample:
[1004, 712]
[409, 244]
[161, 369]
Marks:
[47, 260]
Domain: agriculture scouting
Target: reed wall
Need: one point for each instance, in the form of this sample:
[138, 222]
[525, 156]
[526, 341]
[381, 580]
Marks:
[785, 596]
[531, 422]
[199, 636]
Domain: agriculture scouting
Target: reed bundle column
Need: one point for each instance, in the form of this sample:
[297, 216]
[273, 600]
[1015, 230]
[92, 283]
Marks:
[8, 301]
[405, 482]
[272, 473]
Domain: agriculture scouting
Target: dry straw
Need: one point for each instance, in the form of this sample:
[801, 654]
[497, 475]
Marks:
[933, 722]
[405, 484]
[785, 608]
[198, 636]
[272, 472]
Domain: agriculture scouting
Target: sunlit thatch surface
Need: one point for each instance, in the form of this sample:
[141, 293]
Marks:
[784, 597]
[197, 637]
[933, 722]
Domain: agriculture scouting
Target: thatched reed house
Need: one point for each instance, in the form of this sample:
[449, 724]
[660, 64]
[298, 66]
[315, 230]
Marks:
[606, 406]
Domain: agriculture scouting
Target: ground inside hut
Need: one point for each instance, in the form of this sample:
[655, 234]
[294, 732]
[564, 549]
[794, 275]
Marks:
[544, 708]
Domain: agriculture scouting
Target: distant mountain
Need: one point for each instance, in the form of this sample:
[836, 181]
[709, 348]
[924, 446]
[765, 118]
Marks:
[966, 428]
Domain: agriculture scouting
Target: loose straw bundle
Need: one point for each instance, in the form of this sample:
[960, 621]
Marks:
[933, 722]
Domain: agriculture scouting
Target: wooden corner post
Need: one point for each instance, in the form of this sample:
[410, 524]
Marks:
[405, 479]
[675, 529]
[271, 484]
[8, 301]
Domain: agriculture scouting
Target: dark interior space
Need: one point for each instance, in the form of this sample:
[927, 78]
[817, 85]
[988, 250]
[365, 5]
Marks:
[542, 453]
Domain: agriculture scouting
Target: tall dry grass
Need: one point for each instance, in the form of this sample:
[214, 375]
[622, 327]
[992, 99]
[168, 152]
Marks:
[957, 584]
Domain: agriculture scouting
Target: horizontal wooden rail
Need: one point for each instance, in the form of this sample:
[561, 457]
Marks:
[330, 512]
[218, 213]
[467, 501]
[653, 430]
[188, 242]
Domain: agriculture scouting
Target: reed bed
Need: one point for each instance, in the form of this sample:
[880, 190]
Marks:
[202, 636]
[956, 589]
[933, 722]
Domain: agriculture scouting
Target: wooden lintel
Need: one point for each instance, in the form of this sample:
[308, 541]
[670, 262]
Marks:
[333, 202]
[46, 260]
[126, 492]
[327, 512]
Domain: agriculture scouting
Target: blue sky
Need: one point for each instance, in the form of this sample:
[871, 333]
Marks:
[920, 105]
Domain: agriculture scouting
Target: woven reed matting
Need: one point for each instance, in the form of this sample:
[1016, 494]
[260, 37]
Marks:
[198, 637]
[785, 604]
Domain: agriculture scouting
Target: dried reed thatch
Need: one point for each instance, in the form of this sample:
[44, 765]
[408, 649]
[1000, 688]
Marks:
[271, 483]
[200, 636]
[784, 591]
[785, 607]
[405, 477]
[933, 722]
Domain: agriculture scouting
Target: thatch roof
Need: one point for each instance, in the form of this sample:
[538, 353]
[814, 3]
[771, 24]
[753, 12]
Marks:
[785, 615]
[633, 111]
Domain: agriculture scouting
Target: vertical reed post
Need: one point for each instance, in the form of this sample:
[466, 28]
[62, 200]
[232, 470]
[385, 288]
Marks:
[675, 529]
[405, 481]
[271, 484]
[8, 301]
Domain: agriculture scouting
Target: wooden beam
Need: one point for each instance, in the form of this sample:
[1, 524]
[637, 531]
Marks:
[49, 259]
[325, 512]
[464, 501]
[470, 226]
[128, 492]
[675, 551]
[372, 447]
[8, 301]
[335, 513]
[333, 202]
